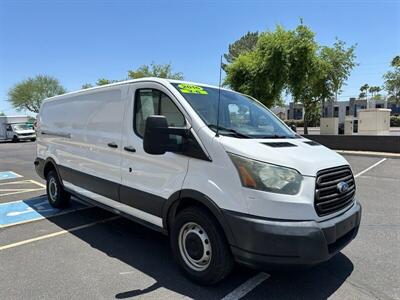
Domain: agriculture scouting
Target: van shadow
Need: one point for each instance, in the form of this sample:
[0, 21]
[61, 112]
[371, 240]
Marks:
[148, 252]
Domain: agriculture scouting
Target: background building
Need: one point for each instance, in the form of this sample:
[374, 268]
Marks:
[337, 109]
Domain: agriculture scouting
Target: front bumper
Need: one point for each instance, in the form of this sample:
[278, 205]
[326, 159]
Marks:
[39, 167]
[261, 242]
[26, 137]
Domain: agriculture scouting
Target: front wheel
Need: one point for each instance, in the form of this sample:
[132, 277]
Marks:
[56, 194]
[200, 247]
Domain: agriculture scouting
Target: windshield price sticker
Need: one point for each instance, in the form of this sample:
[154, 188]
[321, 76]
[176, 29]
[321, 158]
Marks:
[192, 89]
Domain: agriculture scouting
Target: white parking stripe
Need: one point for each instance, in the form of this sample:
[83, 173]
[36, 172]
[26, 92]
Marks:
[369, 168]
[246, 287]
[54, 234]
[14, 191]
[38, 183]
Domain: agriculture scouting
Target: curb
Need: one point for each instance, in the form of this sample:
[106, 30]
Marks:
[369, 153]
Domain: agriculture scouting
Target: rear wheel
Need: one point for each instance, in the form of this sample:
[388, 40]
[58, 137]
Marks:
[56, 194]
[200, 247]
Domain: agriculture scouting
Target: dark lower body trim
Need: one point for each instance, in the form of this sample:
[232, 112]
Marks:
[146, 202]
[116, 211]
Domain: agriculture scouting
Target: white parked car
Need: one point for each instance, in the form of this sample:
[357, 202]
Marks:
[238, 186]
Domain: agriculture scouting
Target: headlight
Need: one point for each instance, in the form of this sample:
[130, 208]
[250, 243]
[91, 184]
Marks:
[266, 177]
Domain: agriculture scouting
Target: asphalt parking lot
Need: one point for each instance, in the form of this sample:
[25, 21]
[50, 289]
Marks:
[88, 253]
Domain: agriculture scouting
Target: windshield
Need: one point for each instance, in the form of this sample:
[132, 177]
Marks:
[239, 115]
[21, 127]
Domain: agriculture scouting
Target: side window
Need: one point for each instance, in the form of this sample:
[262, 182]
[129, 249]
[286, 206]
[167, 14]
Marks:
[9, 128]
[153, 102]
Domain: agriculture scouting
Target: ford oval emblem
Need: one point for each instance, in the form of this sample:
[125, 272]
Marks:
[342, 187]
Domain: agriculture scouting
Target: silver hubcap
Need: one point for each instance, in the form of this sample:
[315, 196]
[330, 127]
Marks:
[194, 246]
[53, 189]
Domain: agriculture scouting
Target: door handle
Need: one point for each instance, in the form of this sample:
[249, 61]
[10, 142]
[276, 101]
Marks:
[112, 145]
[129, 149]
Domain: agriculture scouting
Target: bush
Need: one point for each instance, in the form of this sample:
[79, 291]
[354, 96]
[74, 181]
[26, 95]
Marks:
[300, 123]
[395, 121]
[297, 123]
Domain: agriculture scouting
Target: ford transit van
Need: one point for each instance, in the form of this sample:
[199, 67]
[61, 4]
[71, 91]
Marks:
[213, 169]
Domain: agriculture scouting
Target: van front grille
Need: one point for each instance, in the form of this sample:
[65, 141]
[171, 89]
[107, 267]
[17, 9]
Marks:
[331, 194]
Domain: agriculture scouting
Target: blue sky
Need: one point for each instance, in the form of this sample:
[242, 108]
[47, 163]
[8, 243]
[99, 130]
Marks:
[81, 41]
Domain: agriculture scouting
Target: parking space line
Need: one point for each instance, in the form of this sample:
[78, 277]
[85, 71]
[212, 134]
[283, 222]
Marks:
[38, 183]
[21, 192]
[369, 168]
[54, 234]
[14, 191]
[247, 287]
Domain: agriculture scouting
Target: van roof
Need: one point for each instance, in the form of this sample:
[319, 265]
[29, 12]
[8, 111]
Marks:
[154, 79]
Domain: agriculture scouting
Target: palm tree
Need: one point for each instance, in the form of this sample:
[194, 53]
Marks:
[364, 92]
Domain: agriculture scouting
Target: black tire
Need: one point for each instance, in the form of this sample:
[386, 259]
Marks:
[34, 139]
[15, 139]
[220, 261]
[56, 194]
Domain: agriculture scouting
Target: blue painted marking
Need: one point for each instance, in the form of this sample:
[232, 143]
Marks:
[31, 209]
[8, 175]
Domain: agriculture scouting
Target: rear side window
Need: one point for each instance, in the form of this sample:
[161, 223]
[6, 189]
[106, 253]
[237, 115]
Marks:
[153, 102]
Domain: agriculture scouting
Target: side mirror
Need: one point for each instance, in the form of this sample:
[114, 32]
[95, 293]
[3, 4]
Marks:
[156, 138]
[293, 127]
[155, 135]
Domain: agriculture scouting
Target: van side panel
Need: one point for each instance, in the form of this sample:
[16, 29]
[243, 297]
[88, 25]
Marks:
[75, 131]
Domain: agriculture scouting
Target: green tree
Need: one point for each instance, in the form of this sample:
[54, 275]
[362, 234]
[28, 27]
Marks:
[246, 43]
[30, 93]
[262, 73]
[341, 61]
[104, 81]
[2, 113]
[392, 81]
[292, 61]
[155, 70]
[364, 91]
[86, 86]
[374, 92]
[308, 73]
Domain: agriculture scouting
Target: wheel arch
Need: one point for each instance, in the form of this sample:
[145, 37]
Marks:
[50, 164]
[184, 198]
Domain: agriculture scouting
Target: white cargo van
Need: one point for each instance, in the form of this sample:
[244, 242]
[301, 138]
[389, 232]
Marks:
[16, 128]
[235, 186]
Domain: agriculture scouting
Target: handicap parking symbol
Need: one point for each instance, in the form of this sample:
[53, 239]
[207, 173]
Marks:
[32, 209]
[8, 175]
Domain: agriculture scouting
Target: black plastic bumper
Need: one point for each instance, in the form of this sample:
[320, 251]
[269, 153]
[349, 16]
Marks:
[261, 242]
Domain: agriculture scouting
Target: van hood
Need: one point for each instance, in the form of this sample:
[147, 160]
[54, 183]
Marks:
[292, 153]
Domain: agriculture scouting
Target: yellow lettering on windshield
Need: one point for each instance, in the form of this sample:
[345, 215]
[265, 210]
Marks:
[192, 89]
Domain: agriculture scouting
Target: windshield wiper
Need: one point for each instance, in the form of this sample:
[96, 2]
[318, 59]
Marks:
[234, 132]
